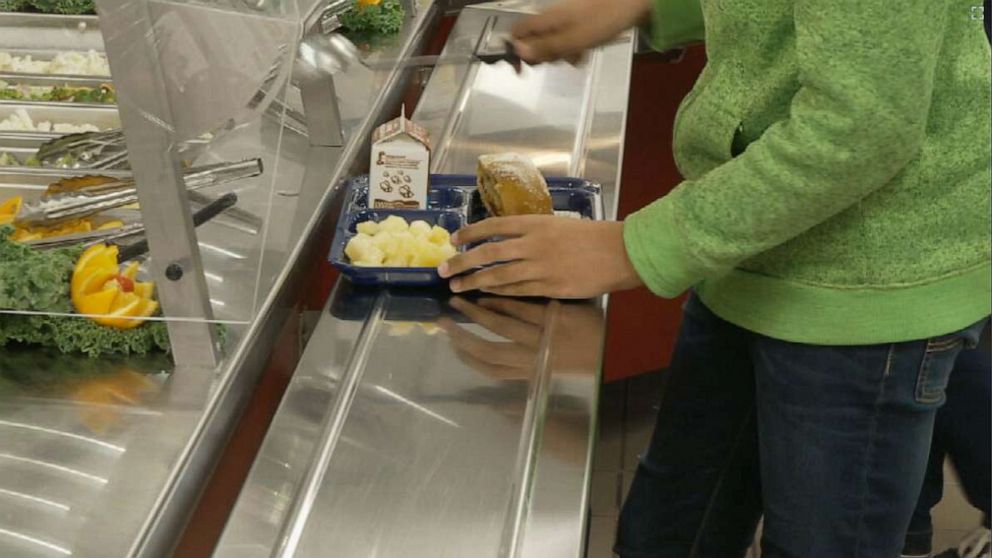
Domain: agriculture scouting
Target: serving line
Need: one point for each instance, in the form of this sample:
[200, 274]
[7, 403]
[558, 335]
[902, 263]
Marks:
[405, 431]
[175, 425]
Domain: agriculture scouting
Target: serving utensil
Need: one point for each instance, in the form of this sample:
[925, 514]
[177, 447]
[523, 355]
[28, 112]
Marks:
[81, 197]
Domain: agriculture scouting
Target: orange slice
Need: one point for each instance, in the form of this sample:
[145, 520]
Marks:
[98, 303]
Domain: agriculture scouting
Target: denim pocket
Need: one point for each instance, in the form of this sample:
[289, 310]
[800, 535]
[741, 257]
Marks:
[935, 370]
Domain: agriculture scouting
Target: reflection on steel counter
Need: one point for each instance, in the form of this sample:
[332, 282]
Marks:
[443, 411]
[576, 345]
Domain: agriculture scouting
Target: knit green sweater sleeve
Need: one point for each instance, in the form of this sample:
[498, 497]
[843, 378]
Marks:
[674, 23]
[866, 75]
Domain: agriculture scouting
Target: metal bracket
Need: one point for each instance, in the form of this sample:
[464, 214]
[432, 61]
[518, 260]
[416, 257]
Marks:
[316, 83]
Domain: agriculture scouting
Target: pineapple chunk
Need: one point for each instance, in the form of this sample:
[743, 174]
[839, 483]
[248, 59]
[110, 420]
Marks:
[439, 235]
[420, 228]
[368, 227]
[394, 224]
[448, 250]
[372, 258]
[385, 241]
[428, 255]
[394, 243]
[359, 247]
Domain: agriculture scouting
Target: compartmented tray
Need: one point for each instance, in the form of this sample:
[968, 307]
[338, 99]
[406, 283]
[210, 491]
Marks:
[452, 202]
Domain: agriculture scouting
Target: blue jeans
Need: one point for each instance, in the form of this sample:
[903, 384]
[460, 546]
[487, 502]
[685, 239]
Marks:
[963, 432]
[829, 443]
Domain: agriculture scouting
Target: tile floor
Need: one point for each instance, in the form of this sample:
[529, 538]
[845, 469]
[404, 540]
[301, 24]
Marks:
[627, 414]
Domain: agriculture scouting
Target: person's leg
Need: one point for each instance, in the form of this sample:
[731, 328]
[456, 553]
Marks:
[919, 537]
[963, 429]
[844, 435]
[696, 491]
[966, 422]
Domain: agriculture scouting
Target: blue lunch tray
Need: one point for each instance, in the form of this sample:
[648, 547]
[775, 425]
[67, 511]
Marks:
[452, 202]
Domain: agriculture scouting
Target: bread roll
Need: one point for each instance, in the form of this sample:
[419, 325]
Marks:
[510, 184]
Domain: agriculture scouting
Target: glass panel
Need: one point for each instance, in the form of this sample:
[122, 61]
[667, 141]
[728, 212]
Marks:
[202, 100]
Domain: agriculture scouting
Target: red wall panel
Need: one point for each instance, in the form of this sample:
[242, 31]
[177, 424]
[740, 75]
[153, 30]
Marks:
[642, 327]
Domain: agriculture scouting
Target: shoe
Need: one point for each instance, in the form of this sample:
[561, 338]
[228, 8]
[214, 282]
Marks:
[977, 544]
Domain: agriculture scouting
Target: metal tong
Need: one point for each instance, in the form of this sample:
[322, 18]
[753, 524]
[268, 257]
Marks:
[115, 236]
[92, 150]
[115, 193]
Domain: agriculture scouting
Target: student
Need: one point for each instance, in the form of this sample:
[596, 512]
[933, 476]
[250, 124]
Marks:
[833, 225]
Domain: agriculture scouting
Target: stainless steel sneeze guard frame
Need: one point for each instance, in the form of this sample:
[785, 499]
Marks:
[87, 473]
[422, 426]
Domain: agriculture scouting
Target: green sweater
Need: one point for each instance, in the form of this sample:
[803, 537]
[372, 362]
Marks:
[837, 164]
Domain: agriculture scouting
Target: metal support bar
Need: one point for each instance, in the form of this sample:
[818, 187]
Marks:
[129, 36]
[320, 107]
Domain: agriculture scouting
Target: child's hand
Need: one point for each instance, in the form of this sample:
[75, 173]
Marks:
[543, 255]
[569, 28]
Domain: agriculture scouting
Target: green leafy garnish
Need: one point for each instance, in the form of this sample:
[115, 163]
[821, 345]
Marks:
[8, 160]
[76, 334]
[101, 95]
[67, 7]
[34, 279]
[13, 5]
[384, 18]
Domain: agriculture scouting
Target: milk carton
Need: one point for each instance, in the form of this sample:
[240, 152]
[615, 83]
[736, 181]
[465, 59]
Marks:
[399, 166]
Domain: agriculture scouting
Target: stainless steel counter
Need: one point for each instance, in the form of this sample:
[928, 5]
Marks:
[421, 425]
[100, 458]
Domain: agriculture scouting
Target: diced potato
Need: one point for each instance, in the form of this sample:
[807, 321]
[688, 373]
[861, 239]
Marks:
[439, 235]
[368, 227]
[420, 228]
[394, 223]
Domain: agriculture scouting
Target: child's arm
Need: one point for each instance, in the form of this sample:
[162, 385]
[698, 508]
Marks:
[675, 23]
[866, 74]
